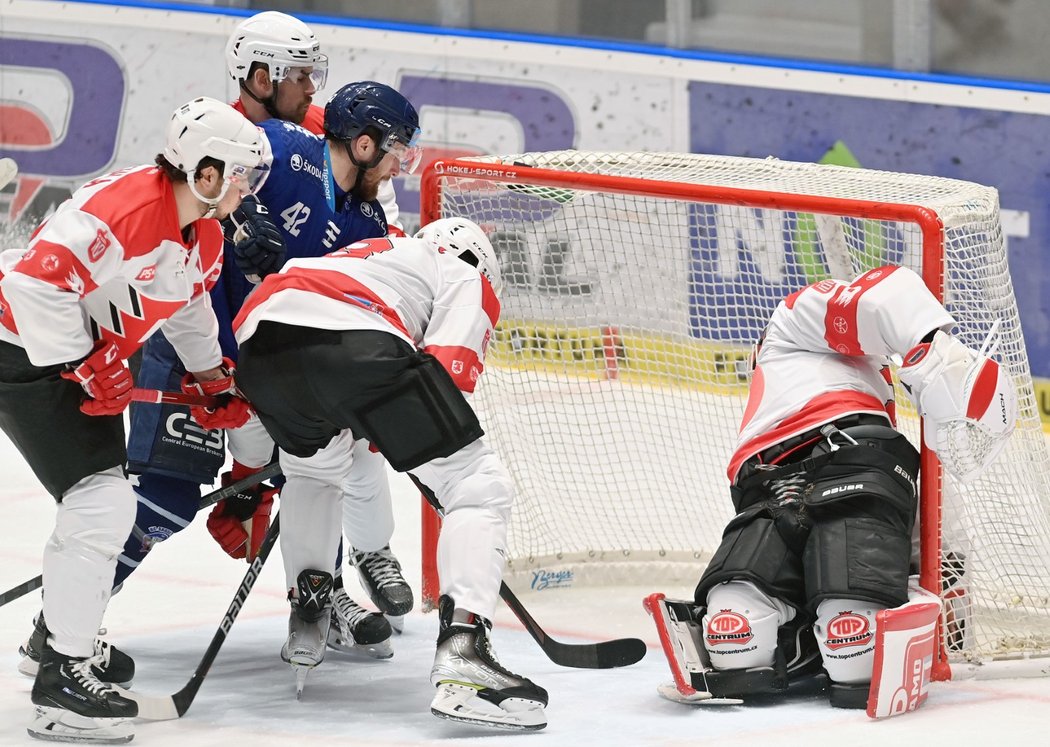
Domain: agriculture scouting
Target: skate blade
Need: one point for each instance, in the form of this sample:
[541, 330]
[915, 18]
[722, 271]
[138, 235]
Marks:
[60, 725]
[397, 622]
[699, 697]
[301, 672]
[461, 703]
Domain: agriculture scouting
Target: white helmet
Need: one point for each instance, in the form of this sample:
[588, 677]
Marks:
[206, 128]
[278, 41]
[466, 240]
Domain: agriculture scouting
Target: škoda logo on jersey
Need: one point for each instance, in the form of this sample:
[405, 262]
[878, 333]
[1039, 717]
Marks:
[849, 629]
[728, 627]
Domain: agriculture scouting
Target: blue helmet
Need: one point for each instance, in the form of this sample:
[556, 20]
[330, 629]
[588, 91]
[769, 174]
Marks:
[367, 104]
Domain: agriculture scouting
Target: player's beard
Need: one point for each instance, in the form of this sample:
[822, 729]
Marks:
[298, 114]
[368, 189]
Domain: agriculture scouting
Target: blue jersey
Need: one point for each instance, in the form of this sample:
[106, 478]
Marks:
[294, 194]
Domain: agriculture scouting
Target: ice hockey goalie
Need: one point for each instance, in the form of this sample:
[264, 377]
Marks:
[811, 578]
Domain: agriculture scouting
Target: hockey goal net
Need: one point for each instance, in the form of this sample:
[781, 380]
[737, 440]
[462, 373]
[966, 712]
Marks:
[635, 286]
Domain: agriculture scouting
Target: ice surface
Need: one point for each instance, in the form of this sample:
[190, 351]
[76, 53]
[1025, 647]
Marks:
[168, 612]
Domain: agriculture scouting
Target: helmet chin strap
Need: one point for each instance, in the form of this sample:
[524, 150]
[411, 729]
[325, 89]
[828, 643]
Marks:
[211, 202]
[269, 103]
[361, 167]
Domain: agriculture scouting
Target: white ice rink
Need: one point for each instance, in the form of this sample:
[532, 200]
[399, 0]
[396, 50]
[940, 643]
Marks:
[169, 610]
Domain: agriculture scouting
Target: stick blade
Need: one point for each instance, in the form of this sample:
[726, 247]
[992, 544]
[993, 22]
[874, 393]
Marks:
[152, 708]
[621, 652]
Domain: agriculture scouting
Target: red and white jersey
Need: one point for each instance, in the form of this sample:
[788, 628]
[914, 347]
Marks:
[825, 354]
[404, 286]
[111, 264]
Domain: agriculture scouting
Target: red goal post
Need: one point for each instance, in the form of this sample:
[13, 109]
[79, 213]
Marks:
[601, 348]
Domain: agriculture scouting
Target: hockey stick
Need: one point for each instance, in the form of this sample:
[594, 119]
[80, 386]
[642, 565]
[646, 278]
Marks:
[620, 652]
[159, 397]
[270, 470]
[8, 171]
[167, 707]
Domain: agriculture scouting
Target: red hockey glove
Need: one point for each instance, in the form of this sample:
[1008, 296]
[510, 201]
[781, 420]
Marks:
[239, 523]
[105, 377]
[234, 410]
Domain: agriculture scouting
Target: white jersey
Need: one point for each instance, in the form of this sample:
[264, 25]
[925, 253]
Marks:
[112, 264]
[403, 286]
[825, 354]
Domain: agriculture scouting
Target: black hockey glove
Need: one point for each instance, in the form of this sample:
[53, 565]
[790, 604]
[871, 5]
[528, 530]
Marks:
[258, 245]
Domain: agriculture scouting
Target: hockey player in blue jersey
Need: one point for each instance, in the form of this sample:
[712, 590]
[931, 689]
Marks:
[322, 194]
[278, 66]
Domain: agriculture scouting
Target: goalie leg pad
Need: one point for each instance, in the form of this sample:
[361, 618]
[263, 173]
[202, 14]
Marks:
[740, 626]
[904, 648]
[845, 633]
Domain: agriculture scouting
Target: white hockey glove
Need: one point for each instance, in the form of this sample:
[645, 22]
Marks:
[967, 400]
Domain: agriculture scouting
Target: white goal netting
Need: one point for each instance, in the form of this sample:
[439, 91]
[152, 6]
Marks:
[636, 284]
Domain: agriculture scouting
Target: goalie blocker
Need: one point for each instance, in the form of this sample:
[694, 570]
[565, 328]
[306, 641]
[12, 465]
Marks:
[904, 647]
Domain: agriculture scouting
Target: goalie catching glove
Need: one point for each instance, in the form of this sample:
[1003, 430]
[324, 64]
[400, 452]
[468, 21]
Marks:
[967, 400]
[258, 246]
[233, 410]
[239, 523]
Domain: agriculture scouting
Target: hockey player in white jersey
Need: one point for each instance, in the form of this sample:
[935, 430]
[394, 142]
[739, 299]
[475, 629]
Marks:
[385, 340]
[130, 252]
[824, 487]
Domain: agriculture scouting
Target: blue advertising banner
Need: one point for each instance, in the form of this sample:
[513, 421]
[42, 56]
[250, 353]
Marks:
[1006, 150]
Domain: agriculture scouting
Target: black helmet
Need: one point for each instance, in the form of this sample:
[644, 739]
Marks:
[367, 104]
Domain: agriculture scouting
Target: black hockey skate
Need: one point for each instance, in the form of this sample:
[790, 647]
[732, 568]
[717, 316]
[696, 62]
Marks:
[114, 665]
[308, 625]
[381, 577]
[357, 630]
[73, 705]
[472, 686]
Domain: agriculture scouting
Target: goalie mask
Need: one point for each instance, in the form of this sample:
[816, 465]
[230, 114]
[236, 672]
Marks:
[207, 128]
[466, 240]
[967, 400]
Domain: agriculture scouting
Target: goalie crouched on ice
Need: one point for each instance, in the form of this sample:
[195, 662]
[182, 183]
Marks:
[824, 488]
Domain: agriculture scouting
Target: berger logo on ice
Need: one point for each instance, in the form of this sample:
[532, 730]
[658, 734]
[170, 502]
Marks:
[543, 579]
